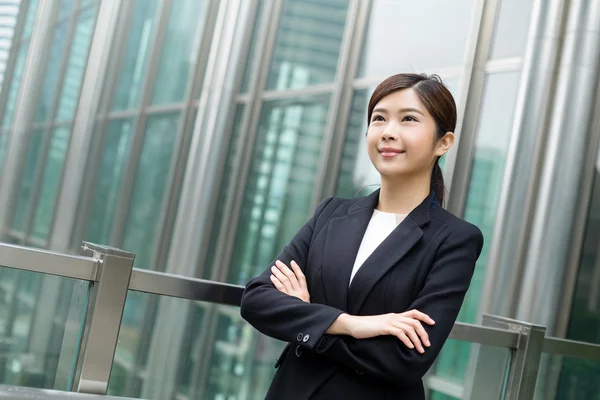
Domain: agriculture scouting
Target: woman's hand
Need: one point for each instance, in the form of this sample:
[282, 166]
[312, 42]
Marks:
[290, 281]
[405, 326]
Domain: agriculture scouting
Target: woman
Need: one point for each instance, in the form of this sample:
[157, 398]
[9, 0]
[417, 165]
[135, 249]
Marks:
[368, 290]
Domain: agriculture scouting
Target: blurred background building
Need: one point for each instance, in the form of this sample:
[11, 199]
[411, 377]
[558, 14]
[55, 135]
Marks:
[200, 135]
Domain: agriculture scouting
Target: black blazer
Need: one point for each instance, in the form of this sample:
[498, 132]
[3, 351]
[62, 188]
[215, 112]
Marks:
[426, 263]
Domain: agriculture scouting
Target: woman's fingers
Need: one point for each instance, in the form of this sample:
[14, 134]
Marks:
[278, 285]
[399, 333]
[289, 274]
[416, 314]
[299, 274]
[420, 331]
[412, 336]
[282, 278]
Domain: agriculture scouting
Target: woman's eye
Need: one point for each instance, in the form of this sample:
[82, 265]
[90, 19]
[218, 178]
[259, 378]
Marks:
[378, 118]
[409, 119]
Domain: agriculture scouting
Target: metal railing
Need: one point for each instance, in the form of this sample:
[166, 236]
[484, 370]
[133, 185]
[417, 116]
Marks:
[112, 275]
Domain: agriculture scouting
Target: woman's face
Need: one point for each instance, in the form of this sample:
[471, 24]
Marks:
[401, 139]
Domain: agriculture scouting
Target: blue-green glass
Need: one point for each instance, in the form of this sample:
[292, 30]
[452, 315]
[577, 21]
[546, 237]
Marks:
[51, 180]
[487, 171]
[27, 181]
[249, 72]
[277, 197]
[567, 378]
[150, 188]
[308, 43]
[233, 154]
[108, 181]
[136, 55]
[30, 18]
[15, 84]
[65, 7]
[179, 51]
[51, 72]
[55, 328]
[76, 65]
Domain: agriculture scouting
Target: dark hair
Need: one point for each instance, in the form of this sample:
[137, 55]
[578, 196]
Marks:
[436, 98]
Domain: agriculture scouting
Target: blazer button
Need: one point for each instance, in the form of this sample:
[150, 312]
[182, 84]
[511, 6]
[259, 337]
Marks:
[300, 337]
[306, 338]
[298, 351]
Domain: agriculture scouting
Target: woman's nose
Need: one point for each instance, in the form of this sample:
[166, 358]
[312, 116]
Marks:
[389, 135]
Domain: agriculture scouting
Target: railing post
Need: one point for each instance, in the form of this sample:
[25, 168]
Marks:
[525, 360]
[103, 318]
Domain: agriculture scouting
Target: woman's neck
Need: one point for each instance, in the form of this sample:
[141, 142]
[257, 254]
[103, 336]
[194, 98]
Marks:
[401, 196]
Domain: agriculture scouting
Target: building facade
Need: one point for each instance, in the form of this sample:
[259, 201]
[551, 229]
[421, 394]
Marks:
[201, 134]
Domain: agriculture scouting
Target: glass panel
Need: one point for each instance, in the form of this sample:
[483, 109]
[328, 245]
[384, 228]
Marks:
[65, 7]
[216, 355]
[179, 51]
[277, 197]
[567, 378]
[30, 19]
[308, 43]
[510, 37]
[108, 183]
[76, 65]
[48, 91]
[11, 102]
[149, 191]
[51, 181]
[259, 23]
[27, 181]
[412, 36]
[233, 154]
[41, 320]
[137, 51]
[491, 147]
[441, 396]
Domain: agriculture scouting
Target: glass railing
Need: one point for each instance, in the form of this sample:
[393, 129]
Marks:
[94, 324]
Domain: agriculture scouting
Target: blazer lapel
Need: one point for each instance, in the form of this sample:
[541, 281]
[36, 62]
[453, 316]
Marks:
[389, 252]
[344, 235]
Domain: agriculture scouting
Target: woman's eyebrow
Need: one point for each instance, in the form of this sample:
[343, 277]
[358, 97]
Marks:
[402, 110]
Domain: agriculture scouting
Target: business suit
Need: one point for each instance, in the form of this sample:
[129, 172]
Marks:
[426, 263]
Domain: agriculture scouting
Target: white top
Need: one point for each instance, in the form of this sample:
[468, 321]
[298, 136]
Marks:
[380, 226]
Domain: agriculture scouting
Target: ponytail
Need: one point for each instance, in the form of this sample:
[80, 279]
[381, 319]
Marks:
[437, 182]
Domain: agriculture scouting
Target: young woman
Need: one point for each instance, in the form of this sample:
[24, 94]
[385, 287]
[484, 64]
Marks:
[368, 290]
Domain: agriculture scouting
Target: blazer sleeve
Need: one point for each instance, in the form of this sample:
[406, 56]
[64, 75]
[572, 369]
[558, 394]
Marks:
[441, 298]
[285, 317]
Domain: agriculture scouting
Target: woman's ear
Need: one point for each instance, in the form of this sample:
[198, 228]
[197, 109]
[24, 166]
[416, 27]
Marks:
[444, 144]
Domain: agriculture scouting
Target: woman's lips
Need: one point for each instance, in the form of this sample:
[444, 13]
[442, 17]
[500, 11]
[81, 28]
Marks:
[390, 152]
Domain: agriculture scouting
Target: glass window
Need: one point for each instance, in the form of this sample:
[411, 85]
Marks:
[136, 54]
[179, 50]
[412, 36]
[278, 193]
[19, 222]
[108, 183]
[51, 73]
[20, 318]
[308, 43]
[487, 171]
[510, 37]
[51, 181]
[65, 7]
[150, 189]
[259, 23]
[76, 65]
[11, 102]
[30, 18]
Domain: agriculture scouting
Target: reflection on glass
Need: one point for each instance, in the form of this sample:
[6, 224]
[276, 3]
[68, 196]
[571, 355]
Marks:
[233, 154]
[65, 7]
[259, 23]
[32, 357]
[277, 198]
[51, 180]
[412, 36]
[578, 376]
[15, 84]
[51, 72]
[76, 65]
[308, 43]
[150, 188]
[487, 171]
[108, 183]
[567, 378]
[511, 29]
[179, 51]
[27, 181]
[30, 18]
[135, 57]
[217, 355]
